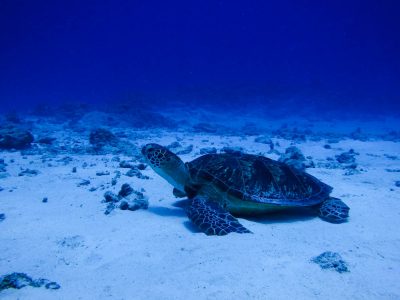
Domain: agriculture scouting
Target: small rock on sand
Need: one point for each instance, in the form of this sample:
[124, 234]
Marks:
[15, 138]
[28, 172]
[20, 280]
[208, 150]
[331, 260]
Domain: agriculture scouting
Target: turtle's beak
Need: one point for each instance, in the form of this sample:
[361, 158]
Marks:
[144, 150]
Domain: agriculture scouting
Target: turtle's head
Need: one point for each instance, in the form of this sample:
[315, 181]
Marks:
[167, 164]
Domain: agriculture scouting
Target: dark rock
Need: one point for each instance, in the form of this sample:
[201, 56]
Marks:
[65, 160]
[45, 200]
[351, 166]
[15, 138]
[126, 190]
[141, 167]
[126, 164]
[331, 260]
[293, 152]
[392, 136]
[12, 117]
[74, 170]
[263, 140]
[15, 281]
[84, 182]
[28, 172]
[331, 163]
[232, 150]
[120, 134]
[20, 280]
[110, 207]
[174, 145]
[3, 165]
[291, 134]
[352, 171]
[131, 199]
[105, 142]
[52, 286]
[267, 141]
[391, 157]
[124, 205]
[333, 140]
[116, 177]
[347, 157]
[187, 150]
[295, 158]
[2, 217]
[397, 183]
[327, 146]
[111, 197]
[348, 162]
[136, 173]
[116, 158]
[102, 137]
[393, 170]
[46, 140]
[135, 169]
[128, 199]
[208, 150]
[102, 173]
[315, 138]
[134, 205]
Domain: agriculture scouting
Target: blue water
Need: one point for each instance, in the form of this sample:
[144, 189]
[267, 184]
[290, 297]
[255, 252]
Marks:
[85, 85]
[339, 56]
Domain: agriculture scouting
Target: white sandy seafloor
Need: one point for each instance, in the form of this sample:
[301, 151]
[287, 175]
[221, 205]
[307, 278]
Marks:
[157, 254]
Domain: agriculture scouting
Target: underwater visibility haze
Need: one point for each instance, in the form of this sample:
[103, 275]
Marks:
[199, 149]
[339, 55]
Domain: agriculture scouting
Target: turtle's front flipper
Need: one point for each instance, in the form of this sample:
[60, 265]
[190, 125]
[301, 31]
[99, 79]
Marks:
[334, 210]
[212, 219]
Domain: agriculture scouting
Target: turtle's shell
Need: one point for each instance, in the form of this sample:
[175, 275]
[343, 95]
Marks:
[258, 179]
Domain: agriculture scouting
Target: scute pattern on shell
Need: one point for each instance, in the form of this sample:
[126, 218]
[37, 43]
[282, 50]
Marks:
[258, 179]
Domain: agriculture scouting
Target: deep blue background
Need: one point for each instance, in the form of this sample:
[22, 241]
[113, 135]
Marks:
[336, 52]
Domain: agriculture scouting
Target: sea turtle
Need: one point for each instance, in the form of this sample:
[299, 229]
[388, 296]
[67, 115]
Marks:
[226, 184]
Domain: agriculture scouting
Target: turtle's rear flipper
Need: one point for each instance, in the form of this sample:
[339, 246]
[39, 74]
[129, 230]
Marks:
[178, 194]
[334, 210]
[212, 219]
